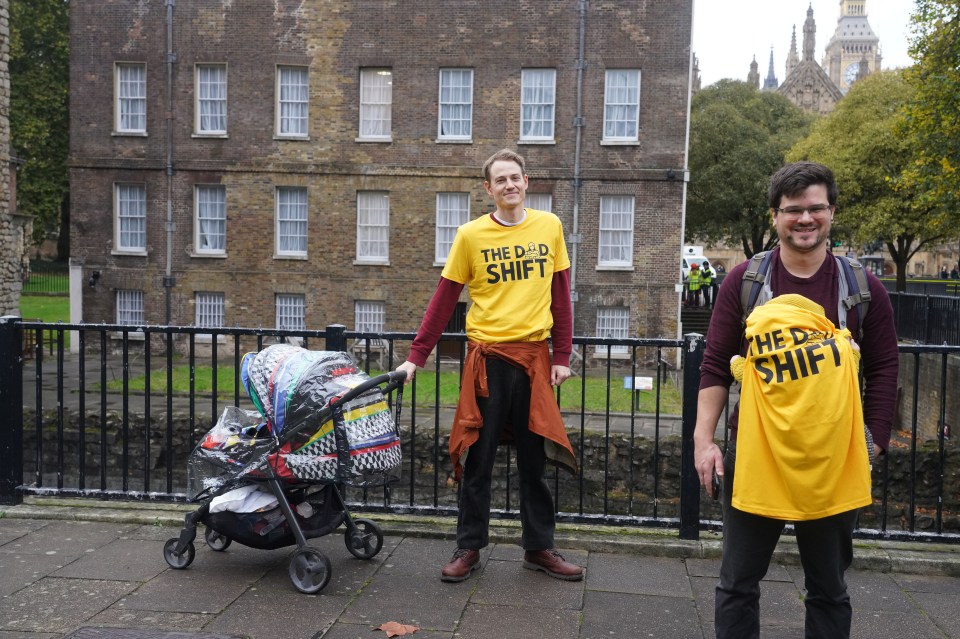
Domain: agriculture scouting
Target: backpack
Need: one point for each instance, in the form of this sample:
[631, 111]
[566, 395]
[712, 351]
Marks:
[854, 291]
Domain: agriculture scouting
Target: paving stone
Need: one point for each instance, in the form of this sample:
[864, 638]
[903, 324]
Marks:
[485, 622]
[57, 605]
[154, 619]
[928, 583]
[125, 560]
[342, 630]
[425, 602]
[638, 575]
[877, 591]
[19, 570]
[67, 538]
[5, 634]
[13, 529]
[507, 583]
[627, 615]
[875, 623]
[141, 633]
[943, 610]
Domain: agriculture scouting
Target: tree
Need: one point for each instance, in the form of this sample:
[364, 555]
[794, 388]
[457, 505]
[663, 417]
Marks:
[738, 139]
[39, 124]
[862, 141]
[933, 112]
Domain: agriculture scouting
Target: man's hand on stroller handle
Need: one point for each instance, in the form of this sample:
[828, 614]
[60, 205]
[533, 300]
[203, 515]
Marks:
[409, 369]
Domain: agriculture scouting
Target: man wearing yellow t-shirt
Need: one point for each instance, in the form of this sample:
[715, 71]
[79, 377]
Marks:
[515, 266]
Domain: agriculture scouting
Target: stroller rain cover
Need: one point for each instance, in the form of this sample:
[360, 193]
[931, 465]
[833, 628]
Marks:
[292, 389]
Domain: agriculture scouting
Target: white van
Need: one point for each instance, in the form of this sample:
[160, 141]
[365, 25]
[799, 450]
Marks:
[691, 255]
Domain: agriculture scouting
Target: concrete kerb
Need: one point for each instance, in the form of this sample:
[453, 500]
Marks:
[875, 555]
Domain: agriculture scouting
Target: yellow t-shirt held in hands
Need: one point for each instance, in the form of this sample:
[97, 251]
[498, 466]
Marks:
[801, 450]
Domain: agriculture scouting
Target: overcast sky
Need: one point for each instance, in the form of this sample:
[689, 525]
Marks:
[727, 34]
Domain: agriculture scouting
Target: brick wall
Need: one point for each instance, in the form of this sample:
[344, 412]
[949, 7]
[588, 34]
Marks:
[335, 39]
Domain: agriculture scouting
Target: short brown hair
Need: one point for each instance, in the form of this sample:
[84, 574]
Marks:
[793, 179]
[502, 154]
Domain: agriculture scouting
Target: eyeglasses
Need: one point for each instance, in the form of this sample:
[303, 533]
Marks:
[797, 211]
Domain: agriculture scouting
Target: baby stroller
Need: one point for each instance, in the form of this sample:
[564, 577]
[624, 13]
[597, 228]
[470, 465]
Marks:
[269, 478]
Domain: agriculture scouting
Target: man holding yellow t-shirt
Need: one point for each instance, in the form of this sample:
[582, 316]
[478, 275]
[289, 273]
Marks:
[515, 266]
[794, 469]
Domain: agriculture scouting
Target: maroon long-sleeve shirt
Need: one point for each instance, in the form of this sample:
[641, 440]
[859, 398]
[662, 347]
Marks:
[878, 342]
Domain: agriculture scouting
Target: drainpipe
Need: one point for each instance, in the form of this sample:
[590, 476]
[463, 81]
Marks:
[578, 123]
[168, 280]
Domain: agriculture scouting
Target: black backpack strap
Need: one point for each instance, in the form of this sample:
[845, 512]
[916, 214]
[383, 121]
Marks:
[858, 288]
[753, 280]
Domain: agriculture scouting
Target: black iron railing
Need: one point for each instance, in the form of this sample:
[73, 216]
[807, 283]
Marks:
[115, 411]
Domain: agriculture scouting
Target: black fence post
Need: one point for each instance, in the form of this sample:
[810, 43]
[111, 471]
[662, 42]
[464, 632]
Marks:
[336, 338]
[11, 409]
[693, 347]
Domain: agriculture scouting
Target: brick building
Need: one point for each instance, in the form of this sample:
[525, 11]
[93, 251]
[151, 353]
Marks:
[306, 162]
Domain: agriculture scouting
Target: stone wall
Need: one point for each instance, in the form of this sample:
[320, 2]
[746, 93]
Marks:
[10, 266]
[930, 394]
[638, 480]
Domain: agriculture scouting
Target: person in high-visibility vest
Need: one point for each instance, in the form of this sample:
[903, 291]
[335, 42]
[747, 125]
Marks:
[694, 282]
[706, 283]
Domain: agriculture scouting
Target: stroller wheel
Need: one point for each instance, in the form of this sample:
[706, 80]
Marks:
[178, 561]
[365, 540]
[309, 570]
[216, 541]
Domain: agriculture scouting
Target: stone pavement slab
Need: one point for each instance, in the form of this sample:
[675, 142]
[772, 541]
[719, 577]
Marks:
[101, 579]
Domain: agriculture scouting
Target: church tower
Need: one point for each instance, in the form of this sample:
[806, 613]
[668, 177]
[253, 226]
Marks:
[807, 85]
[753, 78]
[770, 83]
[793, 58]
[852, 42]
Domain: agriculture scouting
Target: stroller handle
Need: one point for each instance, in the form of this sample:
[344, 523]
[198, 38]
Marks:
[393, 381]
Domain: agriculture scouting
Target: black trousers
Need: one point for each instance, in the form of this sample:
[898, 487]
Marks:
[826, 551]
[508, 405]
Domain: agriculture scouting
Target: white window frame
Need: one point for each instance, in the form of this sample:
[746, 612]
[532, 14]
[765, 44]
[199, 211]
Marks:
[130, 218]
[538, 201]
[621, 106]
[369, 316]
[209, 312]
[538, 98]
[292, 215]
[455, 112]
[210, 106]
[293, 102]
[453, 210]
[615, 233]
[130, 103]
[373, 227]
[376, 105]
[613, 322]
[129, 305]
[291, 311]
[210, 219]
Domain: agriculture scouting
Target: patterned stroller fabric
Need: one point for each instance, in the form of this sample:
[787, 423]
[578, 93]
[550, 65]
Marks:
[298, 430]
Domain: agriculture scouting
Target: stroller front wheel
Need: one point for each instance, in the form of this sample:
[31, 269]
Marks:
[216, 541]
[178, 561]
[309, 570]
[364, 540]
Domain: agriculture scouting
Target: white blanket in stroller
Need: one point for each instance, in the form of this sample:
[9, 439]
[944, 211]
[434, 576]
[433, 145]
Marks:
[246, 499]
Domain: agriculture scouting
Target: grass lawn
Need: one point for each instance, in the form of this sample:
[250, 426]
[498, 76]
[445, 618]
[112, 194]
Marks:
[596, 389]
[46, 308]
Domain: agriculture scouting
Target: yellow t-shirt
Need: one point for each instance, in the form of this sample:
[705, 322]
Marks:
[508, 271]
[801, 450]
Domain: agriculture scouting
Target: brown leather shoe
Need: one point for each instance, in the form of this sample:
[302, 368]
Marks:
[463, 562]
[552, 563]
